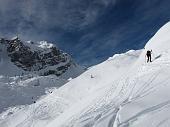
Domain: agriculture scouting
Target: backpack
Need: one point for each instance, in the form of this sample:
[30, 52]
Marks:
[148, 52]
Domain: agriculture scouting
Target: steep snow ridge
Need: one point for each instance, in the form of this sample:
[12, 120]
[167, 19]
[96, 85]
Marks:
[161, 41]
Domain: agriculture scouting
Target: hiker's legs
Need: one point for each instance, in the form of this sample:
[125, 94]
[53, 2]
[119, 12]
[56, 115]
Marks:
[150, 58]
[147, 58]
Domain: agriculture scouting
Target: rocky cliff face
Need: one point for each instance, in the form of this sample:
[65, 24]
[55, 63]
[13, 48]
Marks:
[38, 57]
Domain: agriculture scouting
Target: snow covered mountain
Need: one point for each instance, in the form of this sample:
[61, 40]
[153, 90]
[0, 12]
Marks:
[42, 58]
[29, 70]
[123, 91]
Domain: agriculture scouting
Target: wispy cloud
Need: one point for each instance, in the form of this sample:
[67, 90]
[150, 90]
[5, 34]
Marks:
[39, 15]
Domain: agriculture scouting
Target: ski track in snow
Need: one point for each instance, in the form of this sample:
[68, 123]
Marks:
[146, 111]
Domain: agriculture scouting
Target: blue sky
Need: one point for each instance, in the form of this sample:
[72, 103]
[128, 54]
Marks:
[89, 30]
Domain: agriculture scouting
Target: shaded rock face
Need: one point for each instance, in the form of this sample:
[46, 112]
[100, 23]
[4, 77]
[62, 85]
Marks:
[47, 60]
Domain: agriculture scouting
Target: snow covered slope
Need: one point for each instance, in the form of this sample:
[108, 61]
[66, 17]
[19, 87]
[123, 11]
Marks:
[123, 91]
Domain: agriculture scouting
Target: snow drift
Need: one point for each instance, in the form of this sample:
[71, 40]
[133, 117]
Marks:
[120, 92]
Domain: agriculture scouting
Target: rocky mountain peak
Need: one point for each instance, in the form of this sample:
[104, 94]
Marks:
[38, 57]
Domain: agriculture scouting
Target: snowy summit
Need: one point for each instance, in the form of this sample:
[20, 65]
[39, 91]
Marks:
[123, 91]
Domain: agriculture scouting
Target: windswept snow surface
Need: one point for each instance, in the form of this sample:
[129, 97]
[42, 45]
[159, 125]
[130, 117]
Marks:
[123, 91]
